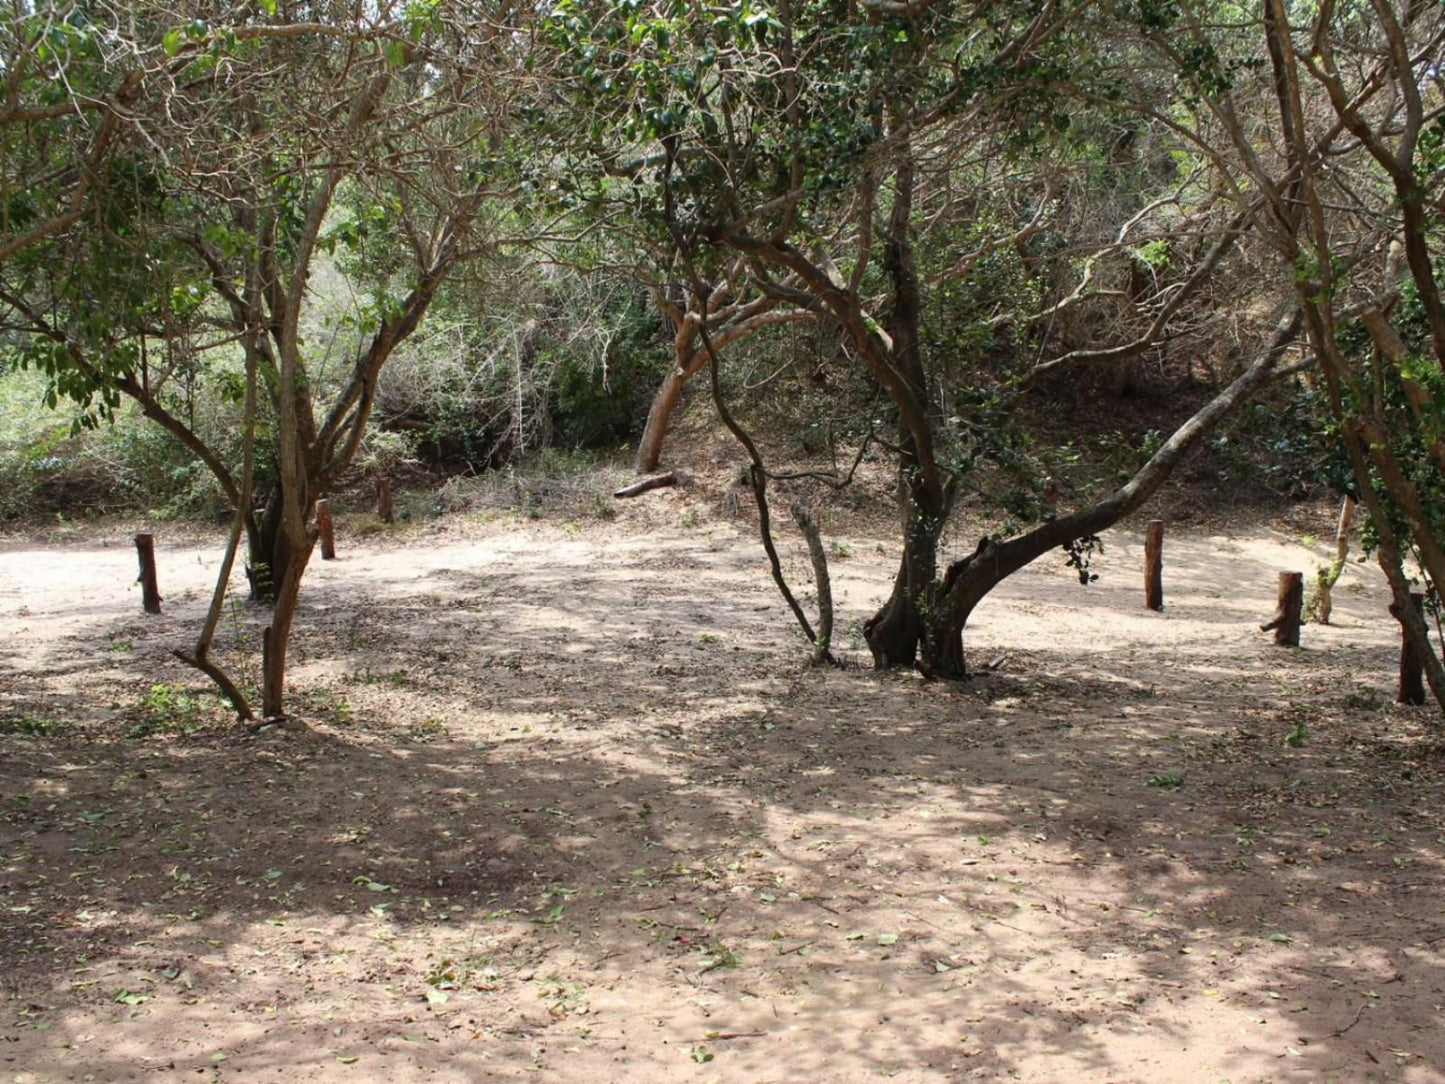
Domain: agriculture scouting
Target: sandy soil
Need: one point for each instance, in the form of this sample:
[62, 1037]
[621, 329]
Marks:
[570, 806]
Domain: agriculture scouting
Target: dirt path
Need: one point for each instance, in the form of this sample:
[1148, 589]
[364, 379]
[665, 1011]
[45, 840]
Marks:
[571, 808]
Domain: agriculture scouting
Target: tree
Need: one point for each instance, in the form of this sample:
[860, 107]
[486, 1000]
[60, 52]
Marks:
[187, 172]
[702, 325]
[1342, 173]
[862, 162]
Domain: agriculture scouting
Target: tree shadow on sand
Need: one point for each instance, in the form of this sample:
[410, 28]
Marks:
[637, 840]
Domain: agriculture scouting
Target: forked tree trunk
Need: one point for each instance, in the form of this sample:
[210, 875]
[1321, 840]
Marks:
[908, 621]
[268, 552]
[927, 614]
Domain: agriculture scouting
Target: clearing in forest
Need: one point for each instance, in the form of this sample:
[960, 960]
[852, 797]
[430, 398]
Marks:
[570, 806]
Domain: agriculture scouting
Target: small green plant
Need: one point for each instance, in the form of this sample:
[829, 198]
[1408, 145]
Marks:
[717, 955]
[474, 970]
[700, 1054]
[565, 998]
[428, 729]
[1167, 780]
[1364, 698]
[1298, 736]
[839, 549]
[166, 709]
[27, 725]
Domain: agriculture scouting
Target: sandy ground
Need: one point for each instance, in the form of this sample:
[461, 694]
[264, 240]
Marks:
[569, 806]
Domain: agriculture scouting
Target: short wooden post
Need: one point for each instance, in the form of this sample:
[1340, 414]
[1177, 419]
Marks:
[1154, 565]
[145, 548]
[324, 529]
[1412, 667]
[384, 509]
[1287, 617]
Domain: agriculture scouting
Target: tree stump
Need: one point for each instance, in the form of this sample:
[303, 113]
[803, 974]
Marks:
[145, 548]
[1412, 667]
[384, 510]
[1287, 617]
[325, 530]
[1154, 565]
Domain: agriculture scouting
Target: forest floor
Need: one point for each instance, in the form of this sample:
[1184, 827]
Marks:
[568, 804]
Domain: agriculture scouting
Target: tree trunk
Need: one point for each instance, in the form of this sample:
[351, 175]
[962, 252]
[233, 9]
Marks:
[269, 552]
[1288, 615]
[325, 530]
[659, 417]
[384, 509]
[145, 547]
[1412, 667]
[822, 643]
[278, 633]
[895, 632]
[646, 485]
[1154, 565]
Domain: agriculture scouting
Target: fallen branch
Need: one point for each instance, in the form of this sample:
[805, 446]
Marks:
[657, 481]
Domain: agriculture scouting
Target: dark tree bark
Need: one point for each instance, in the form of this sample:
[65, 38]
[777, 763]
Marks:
[145, 547]
[325, 530]
[936, 625]
[1290, 611]
[1412, 668]
[268, 551]
[1154, 565]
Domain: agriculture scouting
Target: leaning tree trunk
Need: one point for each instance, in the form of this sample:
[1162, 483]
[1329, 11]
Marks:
[929, 615]
[659, 417]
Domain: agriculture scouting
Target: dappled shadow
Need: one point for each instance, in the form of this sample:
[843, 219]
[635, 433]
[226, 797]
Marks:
[581, 818]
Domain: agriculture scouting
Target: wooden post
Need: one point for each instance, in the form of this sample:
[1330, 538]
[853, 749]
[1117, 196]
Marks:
[324, 529]
[145, 548]
[1154, 565]
[384, 509]
[1412, 667]
[1287, 617]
